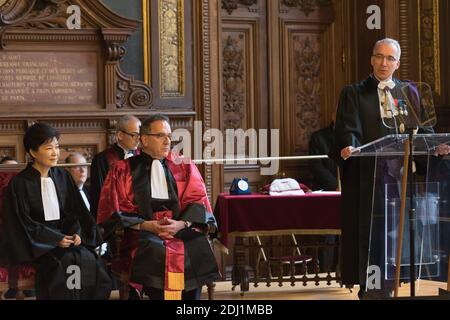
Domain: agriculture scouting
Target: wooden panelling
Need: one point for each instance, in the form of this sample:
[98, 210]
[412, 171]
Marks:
[244, 65]
[12, 145]
[239, 59]
[306, 79]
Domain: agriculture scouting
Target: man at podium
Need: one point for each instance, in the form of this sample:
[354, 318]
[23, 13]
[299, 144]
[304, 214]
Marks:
[361, 114]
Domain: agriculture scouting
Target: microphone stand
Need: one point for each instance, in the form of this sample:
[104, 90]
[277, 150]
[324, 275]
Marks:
[412, 216]
[408, 179]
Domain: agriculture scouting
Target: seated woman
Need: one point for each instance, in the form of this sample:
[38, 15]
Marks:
[46, 226]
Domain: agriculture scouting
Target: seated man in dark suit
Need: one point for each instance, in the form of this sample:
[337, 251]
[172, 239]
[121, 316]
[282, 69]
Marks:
[127, 142]
[324, 170]
[79, 175]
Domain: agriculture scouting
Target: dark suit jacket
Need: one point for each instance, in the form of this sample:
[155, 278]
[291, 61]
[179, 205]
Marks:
[88, 196]
[358, 122]
[99, 169]
[324, 170]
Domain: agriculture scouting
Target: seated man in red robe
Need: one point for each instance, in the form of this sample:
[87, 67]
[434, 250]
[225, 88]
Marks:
[161, 203]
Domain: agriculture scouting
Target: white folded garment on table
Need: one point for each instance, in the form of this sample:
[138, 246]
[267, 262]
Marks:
[285, 187]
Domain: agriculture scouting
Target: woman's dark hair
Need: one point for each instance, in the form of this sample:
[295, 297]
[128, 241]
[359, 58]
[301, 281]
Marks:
[37, 135]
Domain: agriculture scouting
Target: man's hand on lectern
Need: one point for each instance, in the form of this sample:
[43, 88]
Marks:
[442, 150]
[347, 152]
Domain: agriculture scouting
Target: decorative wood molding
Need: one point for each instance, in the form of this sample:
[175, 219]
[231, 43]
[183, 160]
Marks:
[132, 94]
[206, 84]
[146, 41]
[26, 14]
[23, 21]
[429, 44]
[404, 38]
[231, 5]
[77, 125]
[182, 123]
[307, 6]
[12, 126]
[307, 88]
[171, 47]
[111, 131]
[234, 101]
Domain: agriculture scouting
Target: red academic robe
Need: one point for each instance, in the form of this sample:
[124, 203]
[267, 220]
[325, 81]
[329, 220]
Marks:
[126, 200]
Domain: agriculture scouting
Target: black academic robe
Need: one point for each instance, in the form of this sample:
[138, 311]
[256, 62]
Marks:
[324, 170]
[358, 122]
[86, 191]
[101, 163]
[29, 239]
[126, 200]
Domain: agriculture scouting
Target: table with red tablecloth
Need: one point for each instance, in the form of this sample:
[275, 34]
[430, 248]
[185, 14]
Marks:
[265, 215]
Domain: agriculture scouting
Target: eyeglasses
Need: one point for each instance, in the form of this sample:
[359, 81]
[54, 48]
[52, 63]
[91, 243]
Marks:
[389, 59]
[132, 135]
[159, 135]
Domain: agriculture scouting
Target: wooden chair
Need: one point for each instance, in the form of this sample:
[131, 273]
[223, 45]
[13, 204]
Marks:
[19, 277]
[124, 277]
[3, 281]
[281, 261]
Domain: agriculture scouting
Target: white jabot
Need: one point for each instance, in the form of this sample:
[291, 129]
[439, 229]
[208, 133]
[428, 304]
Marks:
[85, 199]
[387, 103]
[386, 83]
[158, 181]
[128, 154]
[49, 200]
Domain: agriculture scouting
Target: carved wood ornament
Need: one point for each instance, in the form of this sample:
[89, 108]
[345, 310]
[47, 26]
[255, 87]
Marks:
[231, 5]
[307, 6]
[45, 20]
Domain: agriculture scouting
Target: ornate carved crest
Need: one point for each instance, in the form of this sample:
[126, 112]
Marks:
[307, 88]
[307, 6]
[98, 23]
[32, 14]
[132, 94]
[231, 5]
[233, 83]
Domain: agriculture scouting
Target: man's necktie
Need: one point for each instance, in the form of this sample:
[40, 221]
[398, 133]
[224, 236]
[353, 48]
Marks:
[387, 101]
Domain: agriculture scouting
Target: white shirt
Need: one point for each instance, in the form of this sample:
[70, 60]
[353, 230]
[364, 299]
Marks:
[126, 153]
[386, 99]
[85, 199]
[49, 200]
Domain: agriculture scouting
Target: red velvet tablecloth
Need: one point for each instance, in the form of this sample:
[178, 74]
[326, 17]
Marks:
[311, 213]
